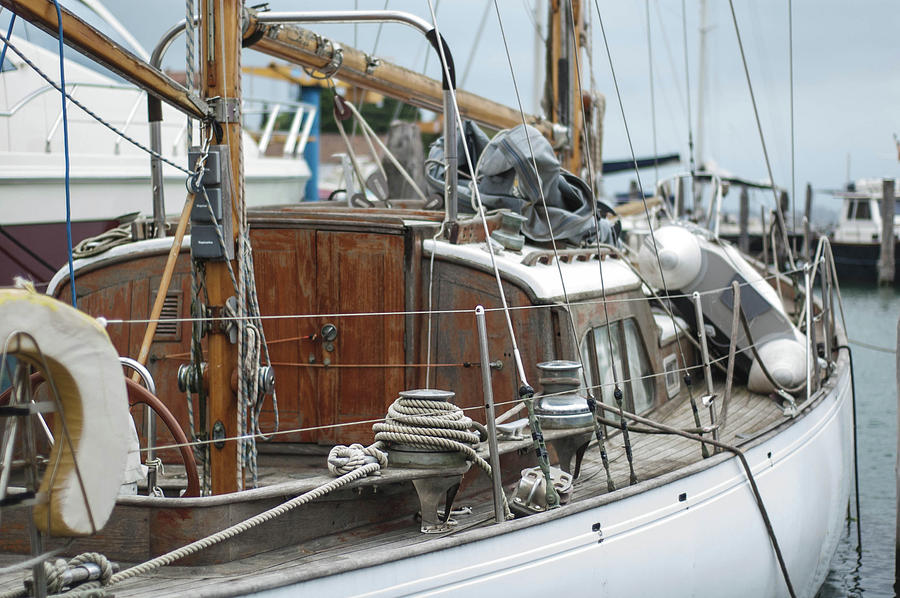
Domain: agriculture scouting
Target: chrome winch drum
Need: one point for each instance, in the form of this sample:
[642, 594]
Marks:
[559, 404]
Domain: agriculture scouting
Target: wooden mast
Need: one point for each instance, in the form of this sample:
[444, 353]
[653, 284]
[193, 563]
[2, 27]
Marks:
[220, 73]
[566, 106]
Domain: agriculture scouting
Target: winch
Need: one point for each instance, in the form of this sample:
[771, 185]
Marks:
[560, 406]
[425, 430]
[412, 410]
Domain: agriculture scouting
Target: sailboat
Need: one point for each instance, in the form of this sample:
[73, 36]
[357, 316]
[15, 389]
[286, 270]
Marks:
[412, 398]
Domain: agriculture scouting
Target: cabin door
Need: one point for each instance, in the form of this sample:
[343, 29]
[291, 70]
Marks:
[336, 368]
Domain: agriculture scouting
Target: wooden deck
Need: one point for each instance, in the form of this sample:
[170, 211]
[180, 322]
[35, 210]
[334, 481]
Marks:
[654, 455]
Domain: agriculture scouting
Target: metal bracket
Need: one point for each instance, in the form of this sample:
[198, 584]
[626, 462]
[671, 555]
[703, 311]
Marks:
[218, 435]
[335, 55]
[225, 110]
[372, 63]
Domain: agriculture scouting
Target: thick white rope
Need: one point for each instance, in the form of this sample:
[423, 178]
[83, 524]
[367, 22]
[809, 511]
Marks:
[432, 424]
[239, 528]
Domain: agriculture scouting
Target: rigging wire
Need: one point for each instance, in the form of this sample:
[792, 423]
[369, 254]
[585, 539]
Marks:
[540, 188]
[617, 391]
[378, 32]
[12, 22]
[88, 111]
[591, 401]
[762, 138]
[791, 77]
[652, 95]
[652, 235]
[687, 90]
[474, 49]
[477, 194]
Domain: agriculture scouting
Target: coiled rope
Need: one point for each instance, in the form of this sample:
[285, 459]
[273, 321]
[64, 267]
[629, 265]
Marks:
[55, 571]
[434, 424]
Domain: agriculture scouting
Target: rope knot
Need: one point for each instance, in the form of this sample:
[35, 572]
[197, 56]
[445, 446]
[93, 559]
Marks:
[344, 459]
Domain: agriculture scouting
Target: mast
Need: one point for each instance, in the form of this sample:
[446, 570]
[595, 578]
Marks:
[220, 72]
[701, 79]
[565, 107]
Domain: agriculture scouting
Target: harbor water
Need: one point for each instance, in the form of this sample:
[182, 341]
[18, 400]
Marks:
[872, 321]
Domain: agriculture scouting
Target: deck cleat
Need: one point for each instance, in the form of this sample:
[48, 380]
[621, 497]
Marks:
[531, 493]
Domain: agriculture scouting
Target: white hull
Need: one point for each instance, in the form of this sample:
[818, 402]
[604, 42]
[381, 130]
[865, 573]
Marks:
[714, 543]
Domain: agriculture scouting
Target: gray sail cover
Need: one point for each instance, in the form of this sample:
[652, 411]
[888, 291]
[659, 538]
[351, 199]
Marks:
[506, 177]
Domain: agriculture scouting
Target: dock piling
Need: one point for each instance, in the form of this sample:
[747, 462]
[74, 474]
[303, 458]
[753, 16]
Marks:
[744, 221]
[886, 254]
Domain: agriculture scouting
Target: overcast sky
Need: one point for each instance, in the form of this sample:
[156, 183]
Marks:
[846, 74]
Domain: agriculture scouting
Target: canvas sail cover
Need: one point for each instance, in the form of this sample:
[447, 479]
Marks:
[506, 177]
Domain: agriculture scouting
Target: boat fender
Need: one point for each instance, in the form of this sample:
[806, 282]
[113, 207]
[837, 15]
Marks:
[680, 256]
[72, 349]
[785, 358]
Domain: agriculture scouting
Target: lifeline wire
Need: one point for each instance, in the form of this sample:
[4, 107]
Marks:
[426, 312]
[717, 361]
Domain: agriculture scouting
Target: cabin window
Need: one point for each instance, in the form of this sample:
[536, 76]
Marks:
[862, 211]
[619, 346]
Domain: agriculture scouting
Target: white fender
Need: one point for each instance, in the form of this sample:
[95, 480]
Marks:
[84, 366]
[785, 358]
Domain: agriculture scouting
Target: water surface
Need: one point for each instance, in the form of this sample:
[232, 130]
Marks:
[872, 319]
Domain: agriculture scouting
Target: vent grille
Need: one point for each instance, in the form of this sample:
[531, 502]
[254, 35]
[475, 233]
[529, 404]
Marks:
[167, 330]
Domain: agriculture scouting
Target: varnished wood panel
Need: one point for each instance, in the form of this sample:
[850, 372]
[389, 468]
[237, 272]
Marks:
[285, 262]
[360, 273]
[455, 337]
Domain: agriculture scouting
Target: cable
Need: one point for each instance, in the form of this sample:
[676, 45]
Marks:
[9, 31]
[762, 138]
[855, 450]
[65, 120]
[90, 112]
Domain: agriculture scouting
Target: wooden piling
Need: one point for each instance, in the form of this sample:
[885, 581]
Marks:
[743, 221]
[886, 256]
[405, 142]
